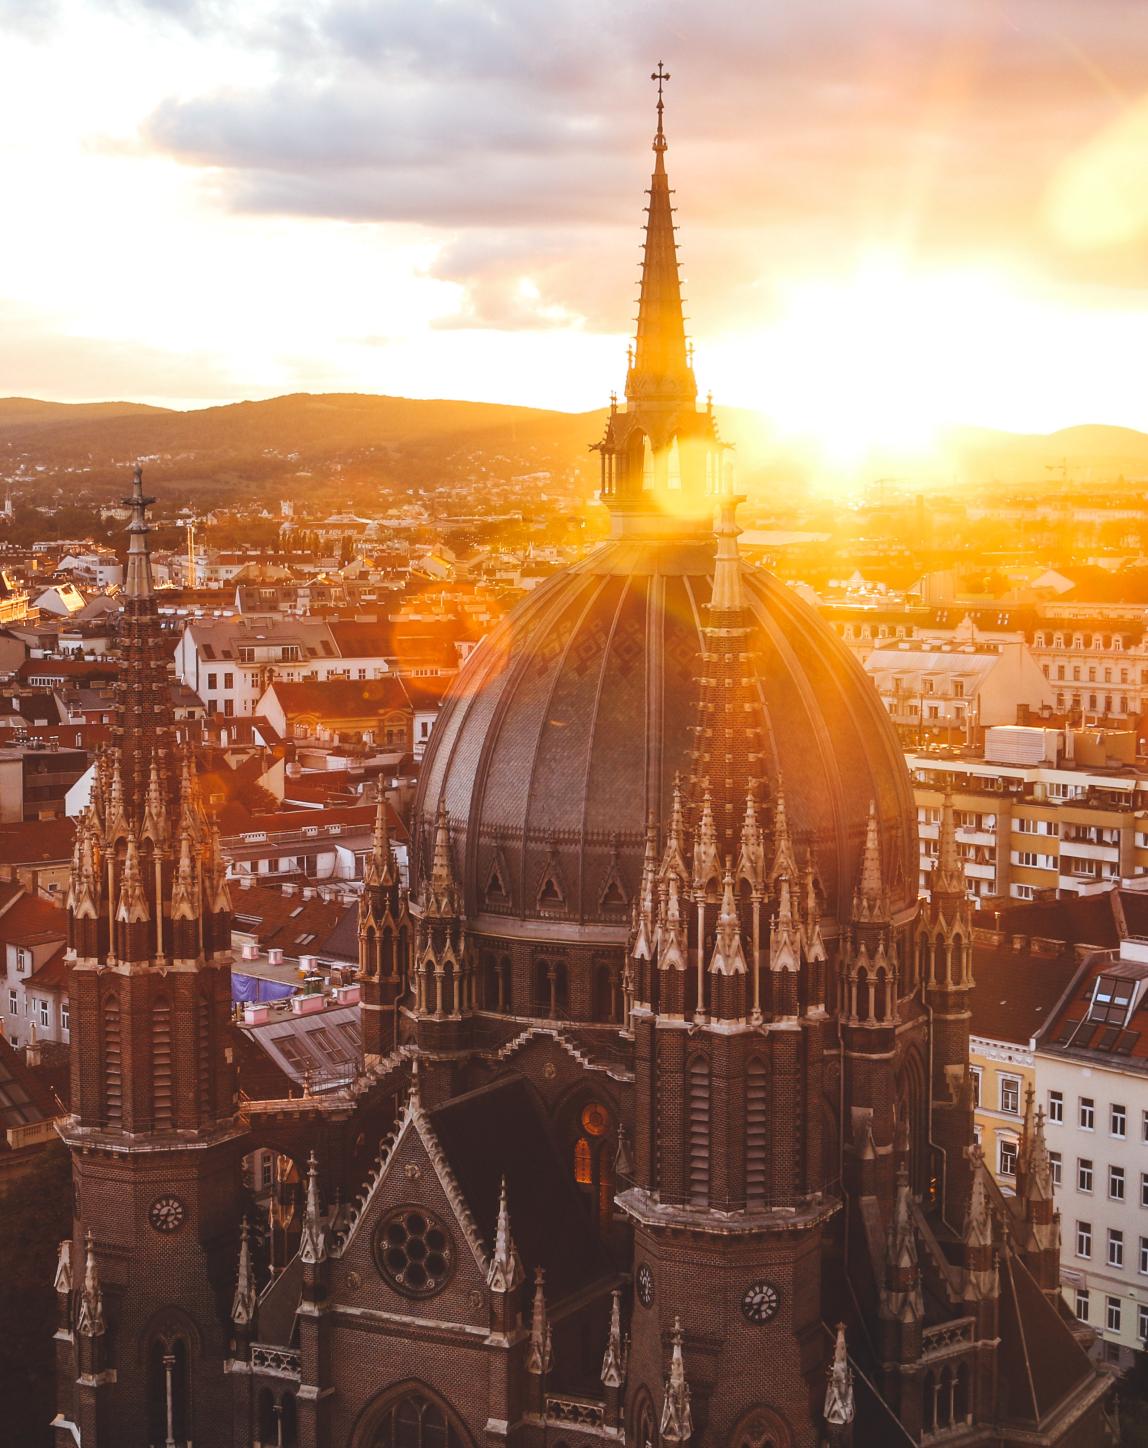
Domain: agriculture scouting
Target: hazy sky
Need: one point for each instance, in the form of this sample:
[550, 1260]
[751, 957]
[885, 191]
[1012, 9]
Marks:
[893, 212]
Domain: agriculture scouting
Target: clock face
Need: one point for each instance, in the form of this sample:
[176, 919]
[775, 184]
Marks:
[759, 1302]
[167, 1214]
[645, 1285]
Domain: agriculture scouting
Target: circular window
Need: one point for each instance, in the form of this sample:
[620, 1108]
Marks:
[414, 1252]
[595, 1119]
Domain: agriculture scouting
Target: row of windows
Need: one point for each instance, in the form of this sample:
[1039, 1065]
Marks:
[1091, 674]
[38, 1007]
[1082, 641]
[1115, 1254]
[1113, 1313]
[1085, 1175]
[1086, 1115]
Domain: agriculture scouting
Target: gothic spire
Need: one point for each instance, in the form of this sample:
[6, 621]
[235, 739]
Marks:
[540, 1353]
[677, 1420]
[613, 1366]
[443, 892]
[661, 369]
[184, 894]
[379, 867]
[707, 859]
[505, 1271]
[950, 876]
[978, 1228]
[313, 1240]
[728, 957]
[243, 1303]
[63, 1278]
[751, 859]
[903, 1284]
[674, 855]
[138, 579]
[784, 860]
[90, 1316]
[839, 1406]
[133, 905]
[869, 901]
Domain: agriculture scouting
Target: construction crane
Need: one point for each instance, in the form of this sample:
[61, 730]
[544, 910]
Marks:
[192, 571]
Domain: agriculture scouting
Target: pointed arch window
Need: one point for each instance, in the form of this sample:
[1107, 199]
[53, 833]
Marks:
[414, 1421]
[698, 1131]
[594, 1160]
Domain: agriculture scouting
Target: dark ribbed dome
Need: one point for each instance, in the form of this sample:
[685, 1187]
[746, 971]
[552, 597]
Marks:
[567, 725]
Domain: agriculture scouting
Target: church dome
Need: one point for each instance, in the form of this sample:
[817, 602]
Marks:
[562, 735]
[565, 729]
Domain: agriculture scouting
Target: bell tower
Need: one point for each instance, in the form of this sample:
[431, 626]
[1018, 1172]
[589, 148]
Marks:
[154, 1127]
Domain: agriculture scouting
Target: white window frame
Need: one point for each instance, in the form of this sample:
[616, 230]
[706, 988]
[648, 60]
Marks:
[1112, 1314]
[1056, 1107]
[1012, 1084]
[1117, 1121]
[1115, 1247]
[1086, 1113]
[1084, 1241]
[1007, 1147]
[1116, 1183]
[1085, 1174]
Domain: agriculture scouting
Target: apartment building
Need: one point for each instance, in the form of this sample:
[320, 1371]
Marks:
[1020, 978]
[229, 662]
[948, 693]
[1037, 810]
[1096, 665]
[1092, 1075]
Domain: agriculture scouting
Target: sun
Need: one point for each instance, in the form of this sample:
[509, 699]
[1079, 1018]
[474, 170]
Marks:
[872, 364]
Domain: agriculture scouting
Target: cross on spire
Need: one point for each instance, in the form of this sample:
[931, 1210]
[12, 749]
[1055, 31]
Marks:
[661, 75]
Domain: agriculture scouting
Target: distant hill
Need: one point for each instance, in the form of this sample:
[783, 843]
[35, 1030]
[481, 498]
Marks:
[21, 414]
[366, 444]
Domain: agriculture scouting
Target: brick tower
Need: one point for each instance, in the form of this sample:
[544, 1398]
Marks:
[153, 1132]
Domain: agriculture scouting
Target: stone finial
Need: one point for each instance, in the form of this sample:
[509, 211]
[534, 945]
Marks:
[505, 1271]
[63, 1279]
[707, 859]
[243, 1303]
[674, 855]
[90, 1315]
[313, 1239]
[869, 900]
[949, 876]
[613, 1368]
[677, 1420]
[751, 859]
[540, 1353]
[133, 905]
[784, 859]
[728, 957]
[839, 1405]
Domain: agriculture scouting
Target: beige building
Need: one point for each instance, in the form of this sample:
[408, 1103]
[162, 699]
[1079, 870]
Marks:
[1057, 820]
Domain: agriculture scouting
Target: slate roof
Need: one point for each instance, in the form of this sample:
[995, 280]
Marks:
[1017, 990]
[24, 1100]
